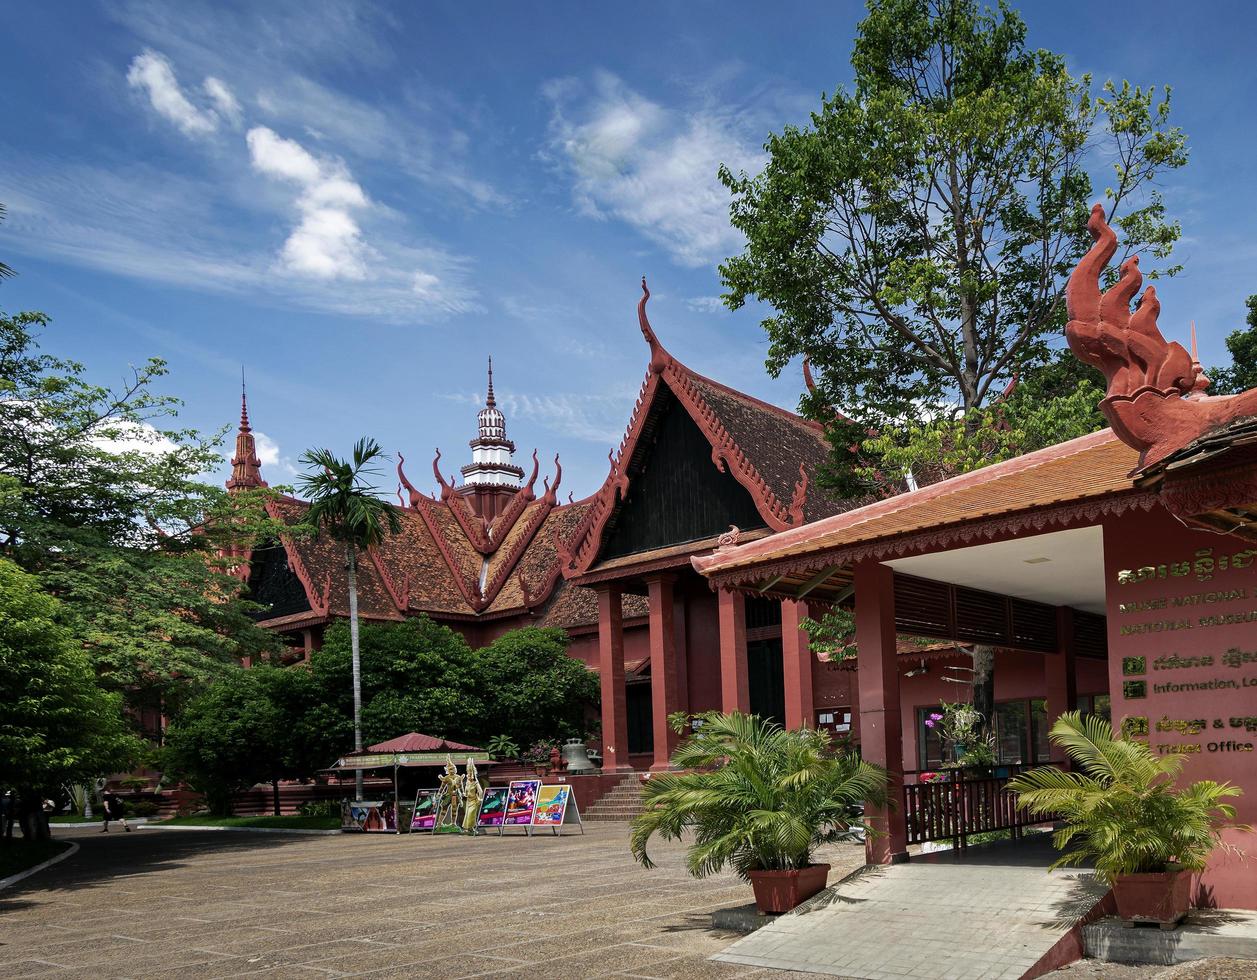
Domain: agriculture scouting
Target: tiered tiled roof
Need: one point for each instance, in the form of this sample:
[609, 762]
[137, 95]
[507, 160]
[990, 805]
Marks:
[453, 564]
[775, 454]
[1089, 474]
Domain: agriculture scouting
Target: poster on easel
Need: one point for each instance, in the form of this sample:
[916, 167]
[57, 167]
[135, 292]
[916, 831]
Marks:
[493, 807]
[521, 801]
[423, 816]
[556, 806]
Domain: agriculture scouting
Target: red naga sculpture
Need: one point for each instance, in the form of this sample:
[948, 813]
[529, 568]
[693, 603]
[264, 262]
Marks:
[1156, 401]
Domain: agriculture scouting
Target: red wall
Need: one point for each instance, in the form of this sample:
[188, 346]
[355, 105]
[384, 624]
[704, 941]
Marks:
[1189, 607]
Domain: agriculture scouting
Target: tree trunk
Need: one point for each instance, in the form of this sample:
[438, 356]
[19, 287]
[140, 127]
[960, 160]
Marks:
[984, 683]
[352, 571]
[31, 817]
[275, 795]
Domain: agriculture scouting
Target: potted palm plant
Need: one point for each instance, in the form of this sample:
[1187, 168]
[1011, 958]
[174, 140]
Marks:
[1123, 813]
[759, 799]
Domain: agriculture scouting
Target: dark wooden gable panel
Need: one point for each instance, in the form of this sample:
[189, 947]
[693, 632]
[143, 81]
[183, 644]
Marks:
[274, 585]
[676, 494]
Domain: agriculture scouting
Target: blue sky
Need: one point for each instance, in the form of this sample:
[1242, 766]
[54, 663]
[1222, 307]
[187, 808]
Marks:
[361, 202]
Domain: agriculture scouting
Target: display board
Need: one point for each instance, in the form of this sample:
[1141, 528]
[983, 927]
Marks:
[556, 805]
[521, 802]
[367, 816]
[423, 817]
[493, 807]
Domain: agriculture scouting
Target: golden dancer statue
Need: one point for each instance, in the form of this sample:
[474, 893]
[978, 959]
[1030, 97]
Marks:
[473, 796]
[451, 795]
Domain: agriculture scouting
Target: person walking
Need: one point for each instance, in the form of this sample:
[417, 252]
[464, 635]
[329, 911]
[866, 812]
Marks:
[114, 810]
[8, 813]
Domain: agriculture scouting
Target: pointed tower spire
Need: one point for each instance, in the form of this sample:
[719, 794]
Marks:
[246, 468]
[490, 401]
[1199, 381]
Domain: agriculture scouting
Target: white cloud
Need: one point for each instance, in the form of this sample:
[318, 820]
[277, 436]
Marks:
[655, 168]
[272, 460]
[151, 73]
[706, 304]
[224, 101]
[131, 437]
[327, 243]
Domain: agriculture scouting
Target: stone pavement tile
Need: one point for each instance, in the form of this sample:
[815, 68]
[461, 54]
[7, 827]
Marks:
[695, 968]
[615, 959]
[30, 968]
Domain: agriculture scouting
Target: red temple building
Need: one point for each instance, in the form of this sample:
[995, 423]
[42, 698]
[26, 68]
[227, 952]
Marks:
[491, 554]
[1116, 572]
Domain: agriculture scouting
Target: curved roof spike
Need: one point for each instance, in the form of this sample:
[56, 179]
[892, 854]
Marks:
[401, 501]
[401, 475]
[446, 488]
[571, 497]
[536, 467]
[808, 380]
[553, 489]
[659, 358]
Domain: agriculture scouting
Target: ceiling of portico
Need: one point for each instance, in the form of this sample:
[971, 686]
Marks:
[1063, 568]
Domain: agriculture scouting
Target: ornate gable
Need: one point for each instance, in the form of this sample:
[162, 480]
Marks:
[771, 453]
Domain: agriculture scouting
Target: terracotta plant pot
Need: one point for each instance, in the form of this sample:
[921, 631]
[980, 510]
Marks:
[1162, 897]
[780, 891]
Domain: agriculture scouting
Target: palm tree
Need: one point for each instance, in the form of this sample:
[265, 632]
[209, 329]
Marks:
[345, 506]
[1122, 809]
[757, 797]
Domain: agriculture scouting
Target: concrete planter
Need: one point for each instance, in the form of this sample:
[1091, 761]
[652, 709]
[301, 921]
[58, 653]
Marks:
[1162, 897]
[780, 891]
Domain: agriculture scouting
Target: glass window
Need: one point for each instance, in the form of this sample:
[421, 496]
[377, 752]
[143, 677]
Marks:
[1039, 730]
[929, 740]
[1010, 732]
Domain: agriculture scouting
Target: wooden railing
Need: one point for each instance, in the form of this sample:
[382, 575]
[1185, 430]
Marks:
[956, 804]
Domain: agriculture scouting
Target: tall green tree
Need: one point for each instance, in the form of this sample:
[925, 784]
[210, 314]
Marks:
[345, 506]
[58, 726]
[914, 239]
[532, 689]
[248, 728]
[102, 497]
[1242, 345]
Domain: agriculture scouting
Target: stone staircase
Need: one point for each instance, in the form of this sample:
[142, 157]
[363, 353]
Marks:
[624, 802]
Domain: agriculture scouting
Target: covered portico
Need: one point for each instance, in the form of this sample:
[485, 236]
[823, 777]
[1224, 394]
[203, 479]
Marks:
[1010, 557]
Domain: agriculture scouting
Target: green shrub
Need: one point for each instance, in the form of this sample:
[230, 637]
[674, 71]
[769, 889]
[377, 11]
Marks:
[1121, 808]
[319, 808]
[758, 798]
[140, 808]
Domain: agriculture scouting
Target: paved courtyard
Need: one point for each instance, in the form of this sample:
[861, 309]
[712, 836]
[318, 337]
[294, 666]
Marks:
[218, 904]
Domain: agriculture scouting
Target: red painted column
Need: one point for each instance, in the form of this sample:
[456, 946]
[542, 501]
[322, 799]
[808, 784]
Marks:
[611, 676]
[881, 732]
[664, 684]
[1061, 678]
[735, 690]
[796, 658]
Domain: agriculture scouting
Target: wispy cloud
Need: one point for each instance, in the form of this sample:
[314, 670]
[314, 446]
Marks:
[653, 167]
[152, 74]
[208, 224]
[598, 417]
[707, 304]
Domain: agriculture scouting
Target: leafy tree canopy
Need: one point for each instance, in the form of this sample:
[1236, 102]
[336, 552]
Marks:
[532, 688]
[914, 239]
[58, 726]
[101, 497]
[1242, 344]
[249, 727]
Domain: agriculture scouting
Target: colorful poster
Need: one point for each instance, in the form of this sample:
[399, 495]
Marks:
[521, 800]
[551, 805]
[424, 815]
[353, 817]
[493, 809]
